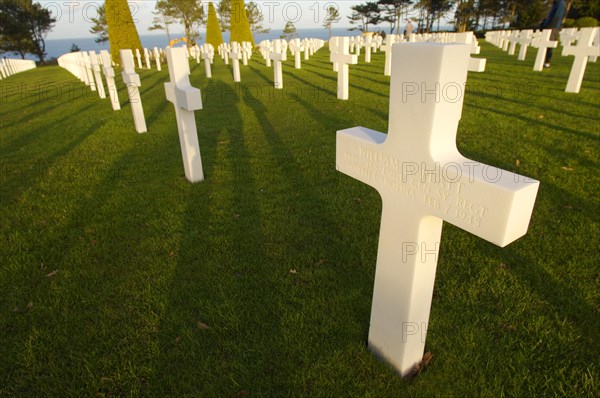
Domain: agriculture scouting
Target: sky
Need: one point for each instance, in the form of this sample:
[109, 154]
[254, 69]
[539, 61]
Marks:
[74, 16]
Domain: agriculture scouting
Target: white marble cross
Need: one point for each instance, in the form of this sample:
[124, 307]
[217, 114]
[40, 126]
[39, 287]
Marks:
[139, 57]
[585, 48]
[525, 38]
[278, 54]
[235, 55]
[97, 75]
[423, 180]
[387, 47]
[342, 57]
[109, 73]
[297, 46]
[157, 59]
[307, 48]
[514, 39]
[133, 83]
[568, 36]
[147, 58]
[475, 64]
[542, 43]
[265, 50]
[186, 100]
[88, 70]
[368, 47]
[208, 52]
[333, 49]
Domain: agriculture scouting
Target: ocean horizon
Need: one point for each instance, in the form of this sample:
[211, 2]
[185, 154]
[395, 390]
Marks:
[57, 47]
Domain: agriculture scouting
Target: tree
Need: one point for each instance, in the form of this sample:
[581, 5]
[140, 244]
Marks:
[240, 25]
[393, 11]
[364, 15]
[161, 22]
[289, 31]
[74, 48]
[189, 13]
[100, 27]
[332, 16]
[224, 11]
[122, 33]
[255, 18]
[23, 27]
[213, 31]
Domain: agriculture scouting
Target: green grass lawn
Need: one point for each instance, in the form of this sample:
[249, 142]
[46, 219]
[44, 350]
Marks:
[120, 278]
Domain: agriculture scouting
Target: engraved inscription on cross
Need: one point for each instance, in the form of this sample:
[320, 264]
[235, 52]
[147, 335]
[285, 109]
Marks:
[186, 100]
[423, 180]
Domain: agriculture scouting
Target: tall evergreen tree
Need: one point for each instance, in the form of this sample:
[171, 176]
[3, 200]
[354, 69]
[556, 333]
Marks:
[240, 26]
[213, 31]
[122, 33]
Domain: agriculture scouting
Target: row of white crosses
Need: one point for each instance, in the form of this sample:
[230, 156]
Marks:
[423, 181]
[9, 66]
[156, 54]
[586, 49]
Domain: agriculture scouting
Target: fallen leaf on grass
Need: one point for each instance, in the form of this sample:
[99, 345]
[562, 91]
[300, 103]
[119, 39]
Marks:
[201, 325]
[243, 393]
[503, 266]
[518, 162]
[293, 272]
[51, 274]
[567, 168]
[177, 339]
[29, 305]
[321, 262]
[106, 380]
[420, 366]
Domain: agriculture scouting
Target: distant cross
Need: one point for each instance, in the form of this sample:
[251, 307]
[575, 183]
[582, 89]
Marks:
[244, 49]
[235, 55]
[97, 74]
[265, 49]
[423, 180]
[208, 53]
[514, 39]
[157, 59]
[387, 47]
[226, 50]
[307, 48]
[342, 57]
[525, 38]
[278, 55]
[147, 58]
[543, 43]
[139, 57]
[88, 70]
[368, 47]
[133, 83]
[568, 36]
[296, 46]
[584, 49]
[186, 100]
[109, 73]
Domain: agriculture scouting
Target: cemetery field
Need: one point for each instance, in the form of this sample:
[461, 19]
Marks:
[120, 278]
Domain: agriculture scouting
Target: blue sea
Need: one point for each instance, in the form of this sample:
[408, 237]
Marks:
[56, 48]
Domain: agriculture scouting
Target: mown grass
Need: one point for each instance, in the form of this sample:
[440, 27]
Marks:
[119, 278]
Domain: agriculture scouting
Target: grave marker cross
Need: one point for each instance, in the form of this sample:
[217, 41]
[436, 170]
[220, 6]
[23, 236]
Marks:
[278, 55]
[97, 74]
[584, 49]
[109, 73]
[186, 100]
[423, 180]
[543, 43]
[132, 81]
[342, 57]
[235, 56]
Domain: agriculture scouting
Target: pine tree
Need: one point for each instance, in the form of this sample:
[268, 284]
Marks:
[213, 31]
[240, 26]
[122, 32]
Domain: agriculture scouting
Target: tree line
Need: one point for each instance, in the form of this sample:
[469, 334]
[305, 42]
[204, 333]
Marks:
[463, 15]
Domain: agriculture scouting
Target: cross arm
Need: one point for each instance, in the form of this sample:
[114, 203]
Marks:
[186, 97]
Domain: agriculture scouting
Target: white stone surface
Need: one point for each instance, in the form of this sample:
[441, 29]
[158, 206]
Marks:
[157, 59]
[525, 38]
[423, 180]
[342, 57]
[236, 54]
[139, 57]
[147, 58]
[97, 75]
[186, 100]
[542, 43]
[278, 54]
[387, 47]
[109, 74]
[133, 83]
[88, 70]
[208, 53]
[584, 49]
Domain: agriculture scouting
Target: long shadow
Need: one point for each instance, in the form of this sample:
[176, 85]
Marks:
[223, 276]
[355, 86]
[30, 174]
